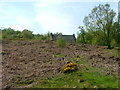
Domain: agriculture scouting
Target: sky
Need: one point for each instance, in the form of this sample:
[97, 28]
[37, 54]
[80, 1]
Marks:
[41, 16]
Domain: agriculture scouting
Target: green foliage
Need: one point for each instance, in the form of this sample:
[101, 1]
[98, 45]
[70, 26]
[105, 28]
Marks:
[61, 42]
[116, 31]
[98, 19]
[26, 34]
[113, 43]
[100, 27]
[11, 34]
[82, 35]
[41, 37]
[78, 40]
[88, 38]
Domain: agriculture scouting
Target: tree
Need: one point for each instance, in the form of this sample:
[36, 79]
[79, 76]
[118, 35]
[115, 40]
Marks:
[8, 33]
[82, 34]
[101, 19]
[116, 31]
[57, 33]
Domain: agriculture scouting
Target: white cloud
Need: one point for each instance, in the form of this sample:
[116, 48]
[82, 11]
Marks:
[51, 19]
[14, 17]
[20, 23]
[21, 20]
[53, 22]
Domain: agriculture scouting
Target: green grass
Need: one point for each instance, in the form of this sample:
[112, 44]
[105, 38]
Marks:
[90, 77]
[70, 80]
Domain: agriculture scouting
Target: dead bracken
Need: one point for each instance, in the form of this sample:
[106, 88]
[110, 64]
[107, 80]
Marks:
[25, 62]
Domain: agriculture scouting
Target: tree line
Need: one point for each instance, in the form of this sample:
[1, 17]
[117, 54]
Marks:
[12, 34]
[100, 27]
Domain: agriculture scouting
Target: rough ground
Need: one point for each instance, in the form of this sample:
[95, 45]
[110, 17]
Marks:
[27, 60]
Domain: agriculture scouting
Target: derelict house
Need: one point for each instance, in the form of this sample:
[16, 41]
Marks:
[68, 38]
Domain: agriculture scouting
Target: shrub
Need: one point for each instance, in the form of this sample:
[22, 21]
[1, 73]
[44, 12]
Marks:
[26, 34]
[70, 67]
[61, 42]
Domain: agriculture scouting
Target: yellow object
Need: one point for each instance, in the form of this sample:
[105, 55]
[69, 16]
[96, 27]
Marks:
[70, 67]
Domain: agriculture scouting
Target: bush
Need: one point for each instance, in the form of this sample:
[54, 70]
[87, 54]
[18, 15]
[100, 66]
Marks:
[26, 34]
[70, 67]
[61, 42]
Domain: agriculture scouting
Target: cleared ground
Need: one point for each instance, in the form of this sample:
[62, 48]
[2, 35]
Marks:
[25, 61]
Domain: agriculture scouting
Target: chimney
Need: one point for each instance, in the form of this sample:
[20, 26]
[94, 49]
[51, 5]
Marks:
[51, 34]
[74, 35]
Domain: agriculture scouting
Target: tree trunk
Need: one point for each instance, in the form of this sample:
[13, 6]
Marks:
[109, 46]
